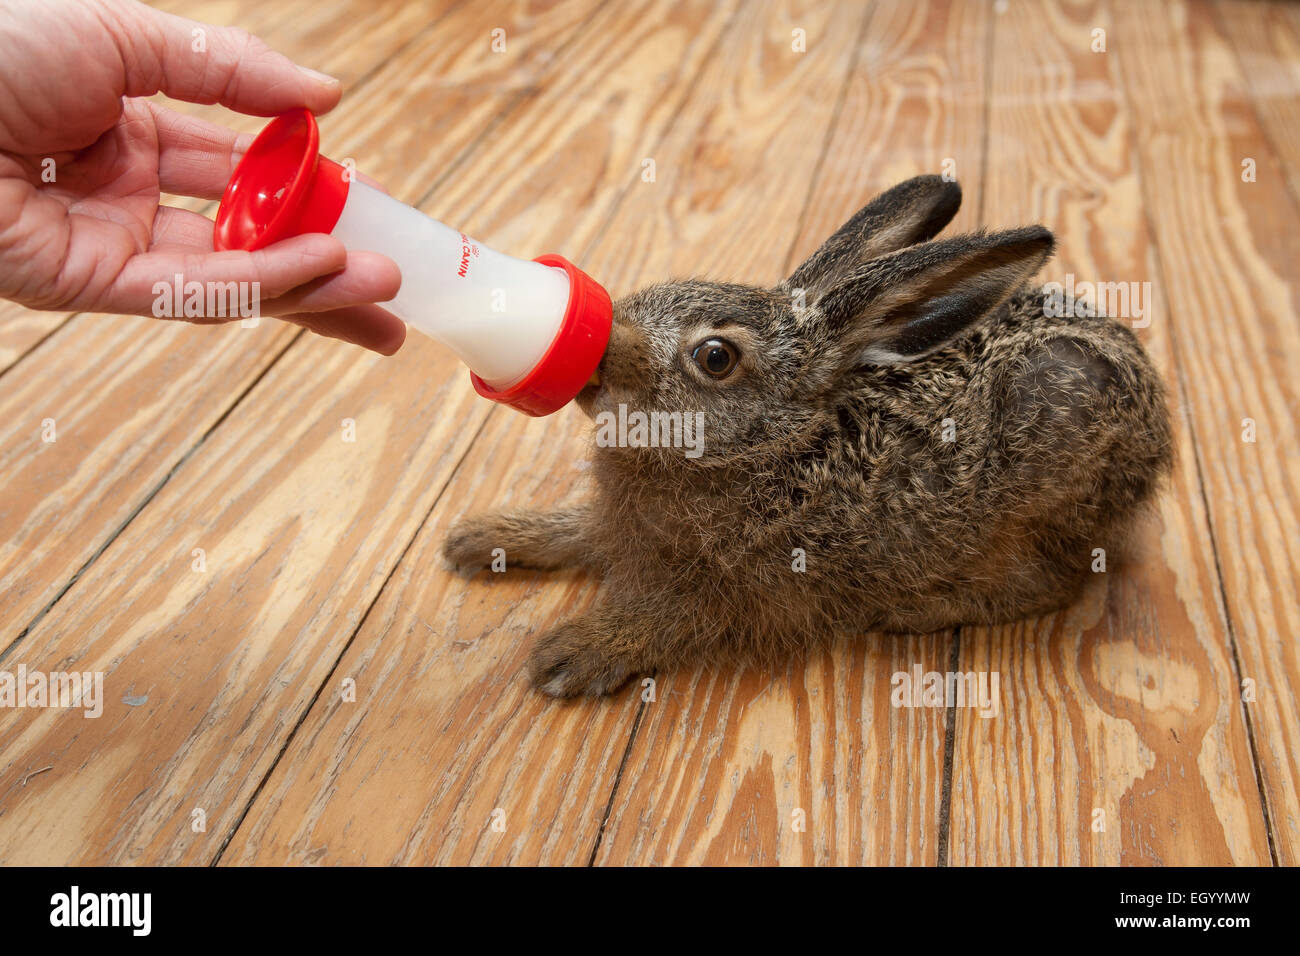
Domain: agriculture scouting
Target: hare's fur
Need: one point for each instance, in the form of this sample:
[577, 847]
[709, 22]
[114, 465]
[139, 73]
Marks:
[911, 440]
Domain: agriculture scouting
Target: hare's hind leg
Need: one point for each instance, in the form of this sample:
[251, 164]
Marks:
[1085, 424]
[1086, 438]
[527, 539]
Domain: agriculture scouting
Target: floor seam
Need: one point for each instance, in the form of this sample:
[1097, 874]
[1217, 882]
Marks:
[942, 845]
[618, 779]
[827, 139]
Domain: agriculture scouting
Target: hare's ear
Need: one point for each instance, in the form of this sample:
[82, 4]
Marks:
[911, 212]
[906, 305]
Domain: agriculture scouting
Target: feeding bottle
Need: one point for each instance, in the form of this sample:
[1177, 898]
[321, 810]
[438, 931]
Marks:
[532, 333]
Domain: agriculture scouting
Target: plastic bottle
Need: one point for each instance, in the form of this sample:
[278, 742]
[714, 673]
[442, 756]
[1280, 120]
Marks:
[532, 333]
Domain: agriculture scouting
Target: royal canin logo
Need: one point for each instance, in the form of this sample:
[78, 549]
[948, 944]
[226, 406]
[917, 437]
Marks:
[467, 249]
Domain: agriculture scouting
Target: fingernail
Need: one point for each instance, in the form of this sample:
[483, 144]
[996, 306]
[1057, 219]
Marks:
[318, 76]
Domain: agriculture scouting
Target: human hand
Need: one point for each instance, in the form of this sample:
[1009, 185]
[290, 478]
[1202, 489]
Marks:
[96, 237]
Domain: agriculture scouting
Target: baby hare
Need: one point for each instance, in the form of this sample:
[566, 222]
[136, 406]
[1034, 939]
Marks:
[902, 435]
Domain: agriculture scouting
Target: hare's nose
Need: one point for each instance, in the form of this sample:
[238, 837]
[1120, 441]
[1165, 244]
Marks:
[625, 355]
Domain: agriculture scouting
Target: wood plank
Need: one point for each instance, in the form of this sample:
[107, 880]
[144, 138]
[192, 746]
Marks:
[923, 115]
[1266, 40]
[1228, 250]
[22, 329]
[122, 436]
[486, 741]
[1124, 702]
[226, 654]
[314, 799]
[722, 762]
[443, 734]
[300, 529]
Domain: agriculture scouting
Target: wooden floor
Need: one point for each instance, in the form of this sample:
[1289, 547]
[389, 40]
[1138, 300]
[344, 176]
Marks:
[1157, 721]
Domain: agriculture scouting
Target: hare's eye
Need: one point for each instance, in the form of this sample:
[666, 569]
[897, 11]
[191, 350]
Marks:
[717, 357]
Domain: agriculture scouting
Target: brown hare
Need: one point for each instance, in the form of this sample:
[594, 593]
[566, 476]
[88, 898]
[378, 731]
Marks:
[901, 435]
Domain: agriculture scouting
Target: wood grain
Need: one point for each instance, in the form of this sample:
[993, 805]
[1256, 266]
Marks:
[1266, 40]
[1228, 251]
[227, 653]
[443, 740]
[1122, 740]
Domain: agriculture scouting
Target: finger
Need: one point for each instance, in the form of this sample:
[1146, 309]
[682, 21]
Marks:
[181, 230]
[367, 277]
[369, 326]
[195, 157]
[336, 305]
[201, 63]
[276, 269]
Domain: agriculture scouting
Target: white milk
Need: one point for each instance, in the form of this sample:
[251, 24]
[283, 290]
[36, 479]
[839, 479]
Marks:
[498, 313]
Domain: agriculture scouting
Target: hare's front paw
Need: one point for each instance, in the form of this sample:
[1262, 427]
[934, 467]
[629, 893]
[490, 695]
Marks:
[574, 659]
[470, 543]
[547, 540]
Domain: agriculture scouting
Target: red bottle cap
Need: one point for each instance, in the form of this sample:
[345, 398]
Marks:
[573, 355]
[282, 187]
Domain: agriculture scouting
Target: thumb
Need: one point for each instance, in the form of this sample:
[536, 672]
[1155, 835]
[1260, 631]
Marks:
[200, 63]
